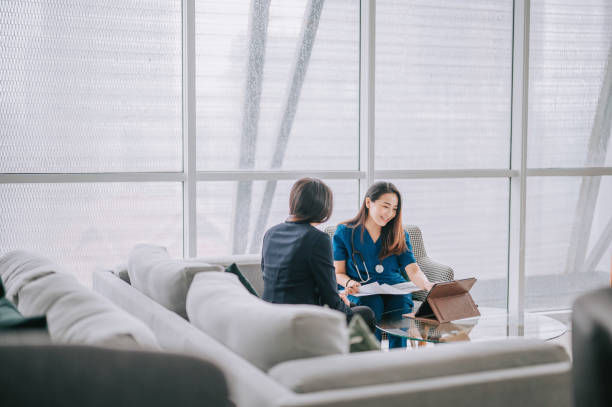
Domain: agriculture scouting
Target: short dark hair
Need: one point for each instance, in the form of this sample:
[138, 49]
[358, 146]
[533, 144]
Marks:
[310, 201]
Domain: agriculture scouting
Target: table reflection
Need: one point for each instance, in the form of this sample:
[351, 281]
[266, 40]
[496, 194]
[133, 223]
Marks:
[493, 323]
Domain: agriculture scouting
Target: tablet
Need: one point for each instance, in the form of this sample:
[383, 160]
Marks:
[448, 301]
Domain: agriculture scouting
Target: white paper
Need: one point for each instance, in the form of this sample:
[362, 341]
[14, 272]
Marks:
[395, 289]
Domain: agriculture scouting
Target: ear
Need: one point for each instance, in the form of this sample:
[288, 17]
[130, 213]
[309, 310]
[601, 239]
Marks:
[368, 201]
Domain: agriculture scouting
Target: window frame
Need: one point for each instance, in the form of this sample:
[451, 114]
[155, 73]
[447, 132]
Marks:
[518, 174]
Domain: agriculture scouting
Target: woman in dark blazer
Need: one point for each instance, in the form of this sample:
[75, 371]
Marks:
[297, 261]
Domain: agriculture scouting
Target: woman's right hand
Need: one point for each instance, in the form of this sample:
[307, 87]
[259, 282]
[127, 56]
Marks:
[352, 287]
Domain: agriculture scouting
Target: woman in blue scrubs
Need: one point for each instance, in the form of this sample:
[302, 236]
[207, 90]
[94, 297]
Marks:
[373, 247]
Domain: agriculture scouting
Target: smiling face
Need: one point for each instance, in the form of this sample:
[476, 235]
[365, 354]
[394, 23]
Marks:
[382, 210]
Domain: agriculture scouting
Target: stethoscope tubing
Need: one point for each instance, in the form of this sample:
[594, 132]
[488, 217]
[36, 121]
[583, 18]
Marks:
[356, 252]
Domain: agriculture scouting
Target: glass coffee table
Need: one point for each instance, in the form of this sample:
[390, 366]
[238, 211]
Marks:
[493, 323]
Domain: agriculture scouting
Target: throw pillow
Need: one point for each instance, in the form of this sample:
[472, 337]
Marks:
[74, 313]
[166, 280]
[261, 332]
[11, 318]
[233, 268]
[360, 337]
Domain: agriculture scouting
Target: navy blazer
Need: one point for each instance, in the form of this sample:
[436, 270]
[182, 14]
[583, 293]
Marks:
[298, 268]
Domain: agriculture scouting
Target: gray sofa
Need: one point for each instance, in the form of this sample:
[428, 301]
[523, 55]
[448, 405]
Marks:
[499, 373]
[92, 353]
[35, 372]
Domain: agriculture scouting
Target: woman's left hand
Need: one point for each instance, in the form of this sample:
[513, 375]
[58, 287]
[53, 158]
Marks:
[344, 299]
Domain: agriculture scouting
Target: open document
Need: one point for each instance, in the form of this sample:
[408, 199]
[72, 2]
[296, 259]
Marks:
[395, 289]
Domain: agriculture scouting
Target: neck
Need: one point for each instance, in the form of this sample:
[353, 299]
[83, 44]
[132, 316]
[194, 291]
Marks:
[372, 227]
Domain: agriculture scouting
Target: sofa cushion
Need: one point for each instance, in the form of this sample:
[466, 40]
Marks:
[376, 367]
[75, 314]
[263, 333]
[166, 280]
[11, 318]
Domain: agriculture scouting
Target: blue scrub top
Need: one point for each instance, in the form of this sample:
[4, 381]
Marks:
[370, 250]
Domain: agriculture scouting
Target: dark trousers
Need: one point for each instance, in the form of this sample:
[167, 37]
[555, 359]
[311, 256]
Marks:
[366, 313]
[388, 305]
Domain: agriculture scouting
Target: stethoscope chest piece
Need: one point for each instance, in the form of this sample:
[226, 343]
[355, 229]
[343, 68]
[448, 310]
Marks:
[379, 268]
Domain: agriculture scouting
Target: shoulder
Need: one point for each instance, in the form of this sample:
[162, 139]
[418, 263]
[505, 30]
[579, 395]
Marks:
[342, 230]
[316, 239]
[283, 229]
[407, 236]
[275, 228]
[317, 235]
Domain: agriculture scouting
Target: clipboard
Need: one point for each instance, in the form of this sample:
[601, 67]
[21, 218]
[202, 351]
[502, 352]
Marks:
[448, 301]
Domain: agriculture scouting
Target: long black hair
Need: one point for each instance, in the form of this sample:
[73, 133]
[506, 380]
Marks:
[392, 234]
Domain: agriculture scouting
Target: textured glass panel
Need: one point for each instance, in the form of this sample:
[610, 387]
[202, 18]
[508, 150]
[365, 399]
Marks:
[85, 227]
[90, 86]
[216, 209]
[443, 84]
[568, 236]
[465, 225]
[262, 103]
[569, 105]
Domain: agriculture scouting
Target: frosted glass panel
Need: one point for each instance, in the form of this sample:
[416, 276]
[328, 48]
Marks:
[465, 225]
[570, 82]
[443, 84]
[265, 102]
[85, 227]
[90, 86]
[217, 206]
[568, 236]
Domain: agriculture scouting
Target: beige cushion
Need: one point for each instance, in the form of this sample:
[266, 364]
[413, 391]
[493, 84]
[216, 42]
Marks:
[166, 280]
[263, 333]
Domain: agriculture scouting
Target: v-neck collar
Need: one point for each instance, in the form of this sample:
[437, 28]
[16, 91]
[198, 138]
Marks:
[370, 236]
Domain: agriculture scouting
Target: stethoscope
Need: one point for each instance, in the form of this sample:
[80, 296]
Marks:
[379, 267]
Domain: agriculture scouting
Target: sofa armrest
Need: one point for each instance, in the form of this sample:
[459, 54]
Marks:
[37, 374]
[372, 368]
[530, 386]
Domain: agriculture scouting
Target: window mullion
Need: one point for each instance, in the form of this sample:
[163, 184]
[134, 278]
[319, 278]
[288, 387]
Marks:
[518, 161]
[189, 131]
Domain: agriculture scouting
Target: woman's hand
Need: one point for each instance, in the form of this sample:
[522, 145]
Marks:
[415, 274]
[352, 287]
